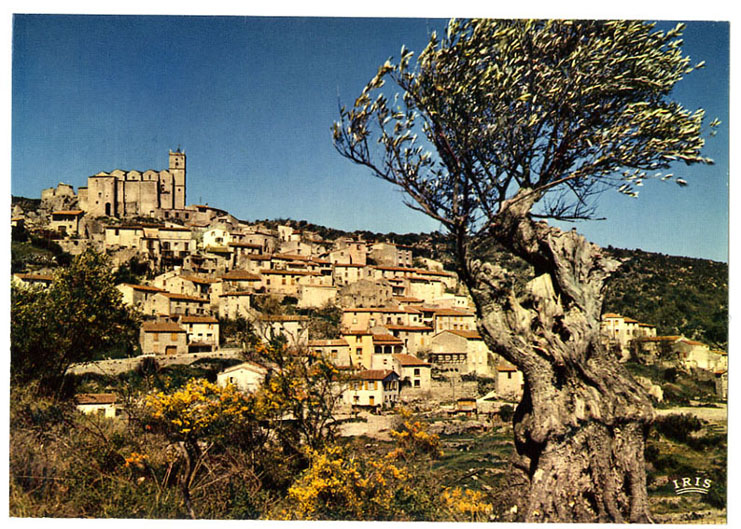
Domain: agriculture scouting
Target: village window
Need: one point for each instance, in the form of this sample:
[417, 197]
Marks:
[416, 383]
[156, 337]
[174, 336]
[416, 372]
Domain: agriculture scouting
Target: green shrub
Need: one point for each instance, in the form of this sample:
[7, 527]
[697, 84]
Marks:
[678, 427]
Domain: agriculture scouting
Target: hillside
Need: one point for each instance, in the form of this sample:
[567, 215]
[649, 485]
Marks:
[680, 295]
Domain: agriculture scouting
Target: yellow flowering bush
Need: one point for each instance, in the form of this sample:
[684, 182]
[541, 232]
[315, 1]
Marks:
[413, 439]
[465, 505]
[339, 486]
[198, 408]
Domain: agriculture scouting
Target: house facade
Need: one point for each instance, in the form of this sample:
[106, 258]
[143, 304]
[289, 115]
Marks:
[163, 338]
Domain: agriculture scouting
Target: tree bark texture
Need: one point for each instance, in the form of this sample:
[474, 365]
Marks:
[580, 428]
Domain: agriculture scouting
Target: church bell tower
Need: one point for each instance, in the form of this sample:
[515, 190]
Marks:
[177, 170]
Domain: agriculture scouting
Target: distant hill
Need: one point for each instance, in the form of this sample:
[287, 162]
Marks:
[680, 295]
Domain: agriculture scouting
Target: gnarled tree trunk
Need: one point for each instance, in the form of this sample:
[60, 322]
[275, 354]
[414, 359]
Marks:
[581, 425]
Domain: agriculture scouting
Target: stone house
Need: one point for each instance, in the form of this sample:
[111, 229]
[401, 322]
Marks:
[372, 389]
[176, 282]
[349, 251]
[694, 354]
[416, 338]
[140, 297]
[293, 327]
[316, 296]
[621, 332]
[215, 238]
[67, 222]
[361, 347]
[336, 350]
[415, 375]
[367, 318]
[452, 319]
[163, 338]
[170, 304]
[347, 273]
[241, 251]
[175, 244]
[124, 237]
[366, 293]
[425, 287]
[510, 381]
[235, 304]
[384, 347]
[239, 281]
[32, 280]
[387, 254]
[203, 333]
[461, 351]
[288, 282]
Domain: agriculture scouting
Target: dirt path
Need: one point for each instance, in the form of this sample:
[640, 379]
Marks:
[719, 414]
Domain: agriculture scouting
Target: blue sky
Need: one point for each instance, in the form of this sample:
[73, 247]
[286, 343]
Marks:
[251, 101]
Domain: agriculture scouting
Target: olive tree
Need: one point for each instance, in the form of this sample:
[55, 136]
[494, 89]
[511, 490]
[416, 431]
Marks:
[497, 127]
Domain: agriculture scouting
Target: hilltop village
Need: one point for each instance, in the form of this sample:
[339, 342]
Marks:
[402, 327]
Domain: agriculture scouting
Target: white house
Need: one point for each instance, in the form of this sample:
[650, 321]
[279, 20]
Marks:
[103, 404]
[246, 376]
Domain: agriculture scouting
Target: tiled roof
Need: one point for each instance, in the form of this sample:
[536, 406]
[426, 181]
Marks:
[374, 374]
[692, 342]
[251, 366]
[196, 279]
[660, 339]
[240, 275]
[183, 297]
[291, 257]
[452, 312]
[161, 326]
[198, 319]
[468, 335]
[407, 299]
[386, 339]
[408, 328]
[328, 343]
[283, 317]
[95, 398]
[145, 288]
[246, 245]
[71, 212]
[394, 310]
[289, 272]
[34, 277]
[410, 360]
[237, 293]
[611, 315]
[395, 268]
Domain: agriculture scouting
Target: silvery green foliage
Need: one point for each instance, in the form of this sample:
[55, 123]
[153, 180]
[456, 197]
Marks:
[563, 108]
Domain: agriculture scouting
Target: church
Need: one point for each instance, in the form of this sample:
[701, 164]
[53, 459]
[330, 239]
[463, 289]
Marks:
[136, 194]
